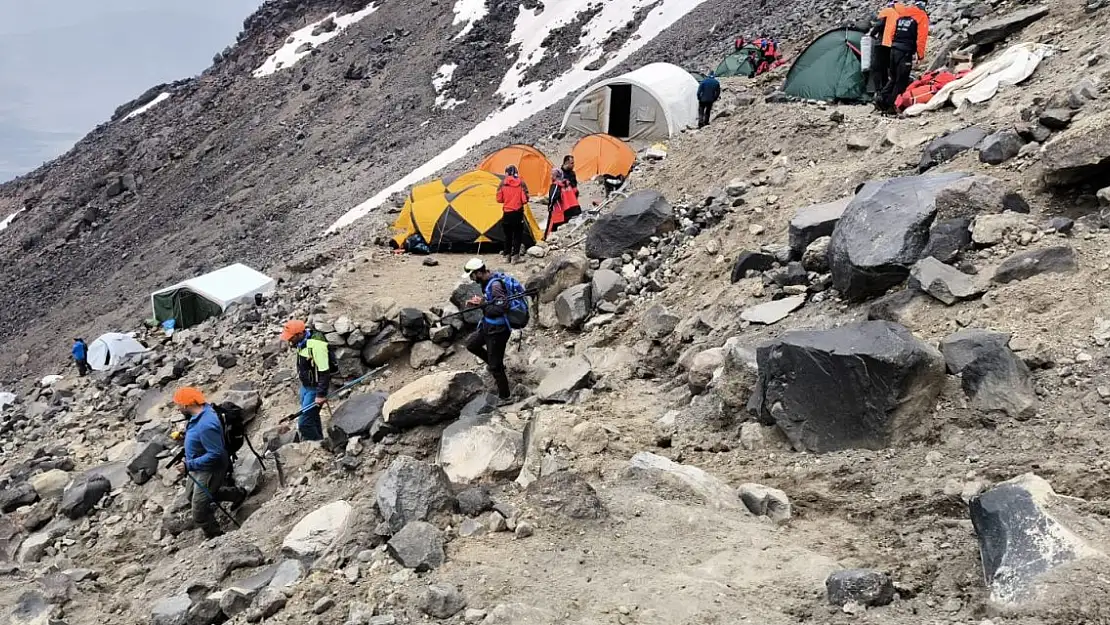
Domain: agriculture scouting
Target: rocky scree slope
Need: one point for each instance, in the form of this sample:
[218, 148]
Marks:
[673, 405]
[232, 168]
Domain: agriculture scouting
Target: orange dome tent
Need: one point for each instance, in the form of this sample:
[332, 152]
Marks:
[535, 169]
[602, 154]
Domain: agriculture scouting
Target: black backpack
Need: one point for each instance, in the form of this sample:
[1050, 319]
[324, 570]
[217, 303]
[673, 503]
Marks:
[234, 426]
[333, 362]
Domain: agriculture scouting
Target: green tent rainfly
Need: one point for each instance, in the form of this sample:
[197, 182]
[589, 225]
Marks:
[740, 63]
[829, 69]
[193, 301]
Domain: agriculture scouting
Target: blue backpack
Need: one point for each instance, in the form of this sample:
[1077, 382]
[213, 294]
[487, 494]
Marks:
[518, 308]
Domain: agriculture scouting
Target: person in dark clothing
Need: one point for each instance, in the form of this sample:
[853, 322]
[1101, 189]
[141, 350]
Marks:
[206, 461]
[882, 31]
[512, 194]
[81, 356]
[491, 338]
[568, 171]
[709, 91]
[910, 35]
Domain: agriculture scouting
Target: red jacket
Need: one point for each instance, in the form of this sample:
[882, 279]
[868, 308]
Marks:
[512, 194]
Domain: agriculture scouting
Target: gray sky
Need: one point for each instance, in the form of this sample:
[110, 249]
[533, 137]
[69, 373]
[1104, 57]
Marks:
[65, 65]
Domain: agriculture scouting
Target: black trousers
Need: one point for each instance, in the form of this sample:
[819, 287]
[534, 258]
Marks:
[513, 224]
[901, 75]
[82, 367]
[705, 110]
[880, 70]
[490, 347]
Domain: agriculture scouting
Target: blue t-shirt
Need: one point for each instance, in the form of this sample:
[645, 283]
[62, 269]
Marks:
[204, 441]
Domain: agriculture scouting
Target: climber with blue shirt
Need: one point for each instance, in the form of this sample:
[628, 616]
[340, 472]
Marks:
[206, 460]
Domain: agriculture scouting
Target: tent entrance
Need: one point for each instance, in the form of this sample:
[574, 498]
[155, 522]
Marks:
[620, 110]
[187, 308]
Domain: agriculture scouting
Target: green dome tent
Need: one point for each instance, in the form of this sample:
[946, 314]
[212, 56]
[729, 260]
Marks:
[829, 69]
[738, 63]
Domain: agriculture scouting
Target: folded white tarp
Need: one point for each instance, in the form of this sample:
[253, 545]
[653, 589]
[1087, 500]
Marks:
[1011, 67]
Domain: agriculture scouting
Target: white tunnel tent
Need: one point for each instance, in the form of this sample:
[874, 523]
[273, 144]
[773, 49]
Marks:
[193, 301]
[112, 349]
[652, 102]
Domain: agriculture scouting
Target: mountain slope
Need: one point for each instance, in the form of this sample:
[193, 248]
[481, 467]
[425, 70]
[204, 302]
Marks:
[232, 168]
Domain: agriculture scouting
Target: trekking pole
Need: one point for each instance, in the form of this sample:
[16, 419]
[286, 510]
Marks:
[212, 499]
[247, 440]
[527, 293]
[347, 386]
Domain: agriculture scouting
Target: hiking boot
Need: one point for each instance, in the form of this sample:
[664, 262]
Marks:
[238, 497]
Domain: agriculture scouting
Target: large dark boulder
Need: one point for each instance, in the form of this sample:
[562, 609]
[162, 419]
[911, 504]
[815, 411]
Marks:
[1000, 147]
[459, 298]
[566, 494]
[883, 232]
[144, 464]
[355, 416]
[993, 377]
[418, 546]
[1080, 153]
[751, 261]
[17, 496]
[995, 29]
[813, 222]
[386, 346]
[947, 147]
[1025, 265]
[961, 348]
[559, 275]
[411, 490]
[862, 385]
[1025, 532]
[631, 225]
[975, 195]
[83, 495]
[947, 239]
[864, 586]
[431, 399]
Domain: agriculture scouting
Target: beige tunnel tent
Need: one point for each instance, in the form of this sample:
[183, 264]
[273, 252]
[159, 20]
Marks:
[652, 102]
[195, 300]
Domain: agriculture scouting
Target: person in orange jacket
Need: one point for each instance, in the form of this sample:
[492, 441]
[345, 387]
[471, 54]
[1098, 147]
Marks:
[911, 35]
[512, 194]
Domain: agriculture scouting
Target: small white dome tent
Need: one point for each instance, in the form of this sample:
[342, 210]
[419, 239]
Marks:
[111, 349]
[193, 301]
[652, 102]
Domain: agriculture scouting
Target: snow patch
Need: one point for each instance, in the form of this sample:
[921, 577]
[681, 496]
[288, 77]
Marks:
[295, 47]
[469, 12]
[440, 81]
[535, 97]
[9, 219]
[162, 97]
[443, 76]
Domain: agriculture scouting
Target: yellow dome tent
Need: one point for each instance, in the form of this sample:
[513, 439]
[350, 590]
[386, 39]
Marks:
[465, 215]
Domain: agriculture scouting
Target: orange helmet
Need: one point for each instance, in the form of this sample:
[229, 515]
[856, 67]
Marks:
[292, 328]
[189, 396]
